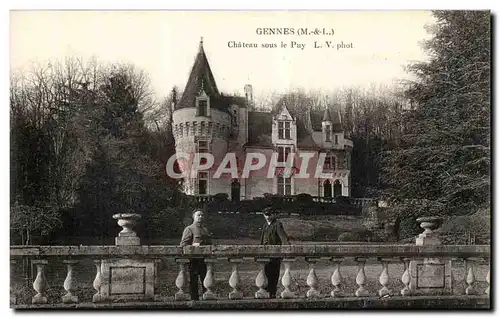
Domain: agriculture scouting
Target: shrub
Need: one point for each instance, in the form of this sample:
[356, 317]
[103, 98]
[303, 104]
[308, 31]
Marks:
[221, 197]
[304, 197]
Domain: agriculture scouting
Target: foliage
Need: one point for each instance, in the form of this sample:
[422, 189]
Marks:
[468, 229]
[444, 153]
[33, 220]
[81, 150]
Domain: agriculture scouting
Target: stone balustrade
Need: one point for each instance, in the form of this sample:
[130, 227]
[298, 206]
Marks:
[128, 273]
[43, 256]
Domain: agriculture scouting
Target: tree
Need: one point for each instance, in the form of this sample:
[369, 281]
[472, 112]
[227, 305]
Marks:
[81, 150]
[444, 153]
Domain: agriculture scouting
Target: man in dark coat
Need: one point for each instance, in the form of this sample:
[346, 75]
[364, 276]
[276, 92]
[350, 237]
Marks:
[273, 233]
[196, 234]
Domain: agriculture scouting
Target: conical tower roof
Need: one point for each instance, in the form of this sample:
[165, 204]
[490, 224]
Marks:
[201, 78]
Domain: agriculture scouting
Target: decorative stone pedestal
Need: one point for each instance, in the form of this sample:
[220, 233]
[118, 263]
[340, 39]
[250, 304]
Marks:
[430, 276]
[127, 279]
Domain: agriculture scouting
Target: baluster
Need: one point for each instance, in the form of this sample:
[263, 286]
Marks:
[286, 280]
[181, 280]
[487, 291]
[70, 283]
[312, 279]
[361, 278]
[261, 279]
[471, 278]
[209, 280]
[40, 283]
[384, 278]
[97, 282]
[336, 278]
[13, 298]
[234, 280]
[406, 291]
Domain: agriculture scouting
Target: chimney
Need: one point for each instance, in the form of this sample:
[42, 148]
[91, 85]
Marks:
[249, 96]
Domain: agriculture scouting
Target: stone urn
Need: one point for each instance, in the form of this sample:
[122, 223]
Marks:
[430, 223]
[127, 221]
[429, 237]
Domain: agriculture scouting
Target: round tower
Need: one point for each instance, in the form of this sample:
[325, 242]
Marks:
[201, 124]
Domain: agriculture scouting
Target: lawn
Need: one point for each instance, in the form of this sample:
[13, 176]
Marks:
[165, 285]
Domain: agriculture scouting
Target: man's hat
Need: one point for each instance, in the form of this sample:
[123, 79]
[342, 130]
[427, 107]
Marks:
[268, 211]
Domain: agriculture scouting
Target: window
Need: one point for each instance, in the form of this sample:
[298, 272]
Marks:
[284, 131]
[203, 147]
[202, 182]
[330, 162]
[284, 185]
[283, 153]
[328, 133]
[336, 139]
[202, 107]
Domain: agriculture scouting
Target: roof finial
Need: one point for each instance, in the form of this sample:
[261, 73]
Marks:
[201, 44]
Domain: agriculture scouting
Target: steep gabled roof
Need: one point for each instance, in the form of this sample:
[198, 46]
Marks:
[329, 112]
[326, 115]
[260, 126]
[298, 115]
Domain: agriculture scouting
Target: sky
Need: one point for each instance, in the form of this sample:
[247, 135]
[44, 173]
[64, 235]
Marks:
[376, 45]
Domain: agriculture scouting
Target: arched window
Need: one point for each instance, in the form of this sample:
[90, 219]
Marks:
[337, 188]
[327, 189]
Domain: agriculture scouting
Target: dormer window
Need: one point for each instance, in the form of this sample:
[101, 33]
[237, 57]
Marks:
[202, 107]
[284, 131]
[328, 133]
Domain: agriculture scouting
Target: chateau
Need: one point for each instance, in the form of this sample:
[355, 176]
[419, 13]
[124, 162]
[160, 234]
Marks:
[207, 121]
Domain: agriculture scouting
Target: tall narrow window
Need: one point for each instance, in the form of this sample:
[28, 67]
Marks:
[202, 182]
[288, 134]
[336, 139]
[328, 162]
[283, 153]
[337, 188]
[284, 185]
[203, 147]
[284, 130]
[202, 107]
[328, 133]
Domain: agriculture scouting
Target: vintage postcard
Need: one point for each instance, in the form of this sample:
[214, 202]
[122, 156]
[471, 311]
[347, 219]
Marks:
[250, 159]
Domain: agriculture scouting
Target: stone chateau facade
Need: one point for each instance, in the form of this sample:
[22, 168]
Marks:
[205, 120]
